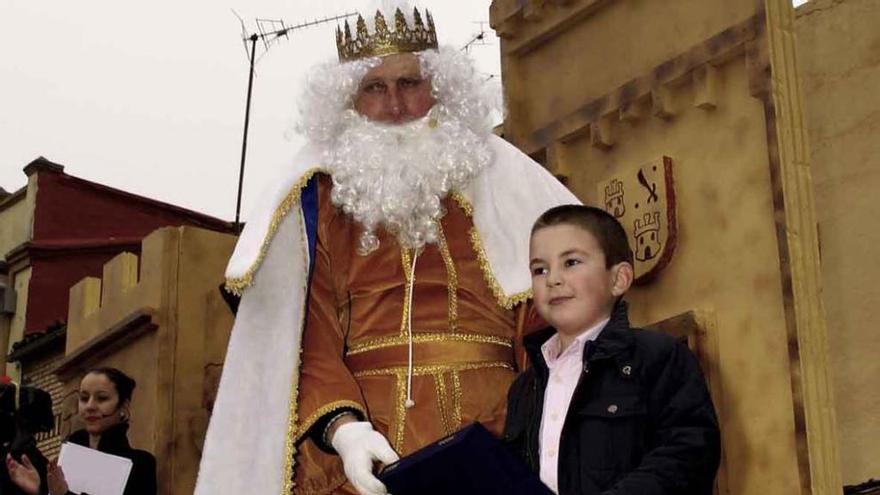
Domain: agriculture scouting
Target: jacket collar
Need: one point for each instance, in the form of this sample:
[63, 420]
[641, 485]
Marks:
[614, 339]
[114, 440]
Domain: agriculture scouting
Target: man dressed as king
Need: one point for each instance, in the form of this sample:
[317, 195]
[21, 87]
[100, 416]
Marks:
[384, 279]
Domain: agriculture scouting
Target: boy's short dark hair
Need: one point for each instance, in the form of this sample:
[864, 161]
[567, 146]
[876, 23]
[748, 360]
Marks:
[604, 227]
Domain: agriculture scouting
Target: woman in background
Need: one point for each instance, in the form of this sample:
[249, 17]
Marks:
[104, 401]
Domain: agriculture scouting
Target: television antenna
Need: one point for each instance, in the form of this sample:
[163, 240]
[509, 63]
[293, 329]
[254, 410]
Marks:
[478, 39]
[269, 32]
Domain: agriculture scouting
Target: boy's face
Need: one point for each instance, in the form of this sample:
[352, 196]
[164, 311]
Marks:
[573, 290]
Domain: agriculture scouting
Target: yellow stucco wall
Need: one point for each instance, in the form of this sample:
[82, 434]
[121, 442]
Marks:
[15, 221]
[599, 87]
[177, 284]
[16, 228]
[20, 281]
[839, 55]
[565, 73]
[726, 261]
[203, 324]
[97, 305]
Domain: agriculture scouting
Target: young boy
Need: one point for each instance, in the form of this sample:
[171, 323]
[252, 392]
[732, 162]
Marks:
[605, 408]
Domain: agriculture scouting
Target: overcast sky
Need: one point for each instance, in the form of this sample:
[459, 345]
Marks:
[149, 97]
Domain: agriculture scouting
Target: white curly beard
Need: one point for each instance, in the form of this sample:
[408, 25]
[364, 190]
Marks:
[396, 176]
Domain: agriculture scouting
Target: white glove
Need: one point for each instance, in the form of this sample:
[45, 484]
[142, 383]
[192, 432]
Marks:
[360, 446]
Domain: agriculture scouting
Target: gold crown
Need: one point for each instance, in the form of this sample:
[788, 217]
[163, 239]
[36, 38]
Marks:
[385, 42]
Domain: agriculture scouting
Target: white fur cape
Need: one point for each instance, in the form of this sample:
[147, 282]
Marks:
[249, 444]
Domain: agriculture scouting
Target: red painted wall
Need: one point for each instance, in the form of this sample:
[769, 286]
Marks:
[72, 208]
[70, 212]
[52, 277]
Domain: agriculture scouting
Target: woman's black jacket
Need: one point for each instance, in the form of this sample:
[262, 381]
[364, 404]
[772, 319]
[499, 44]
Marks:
[640, 422]
[142, 480]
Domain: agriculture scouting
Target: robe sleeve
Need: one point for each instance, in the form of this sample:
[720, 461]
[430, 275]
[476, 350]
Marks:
[326, 386]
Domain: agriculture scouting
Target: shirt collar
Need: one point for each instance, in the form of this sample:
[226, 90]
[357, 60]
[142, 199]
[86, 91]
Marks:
[551, 348]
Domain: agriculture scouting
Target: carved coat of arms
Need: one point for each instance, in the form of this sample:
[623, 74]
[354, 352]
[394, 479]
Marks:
[643, 200]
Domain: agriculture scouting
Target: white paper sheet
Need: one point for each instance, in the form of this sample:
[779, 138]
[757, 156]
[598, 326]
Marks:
[93, 472]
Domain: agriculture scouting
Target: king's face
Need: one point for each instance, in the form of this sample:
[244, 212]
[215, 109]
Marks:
[394, 92]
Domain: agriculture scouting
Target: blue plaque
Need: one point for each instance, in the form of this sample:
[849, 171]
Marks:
[468, 462]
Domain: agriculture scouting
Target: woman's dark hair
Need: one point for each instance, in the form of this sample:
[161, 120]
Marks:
[124, 384]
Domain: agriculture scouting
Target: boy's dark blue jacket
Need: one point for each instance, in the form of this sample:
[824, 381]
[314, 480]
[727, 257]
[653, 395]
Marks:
[640, 422]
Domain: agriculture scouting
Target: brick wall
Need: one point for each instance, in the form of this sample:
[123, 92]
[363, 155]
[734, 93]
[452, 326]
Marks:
[38, 373]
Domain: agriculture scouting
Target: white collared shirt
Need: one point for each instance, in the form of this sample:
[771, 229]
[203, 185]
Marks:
[565, 370]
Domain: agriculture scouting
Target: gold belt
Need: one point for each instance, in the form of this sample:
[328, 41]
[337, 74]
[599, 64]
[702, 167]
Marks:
[446, 352]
